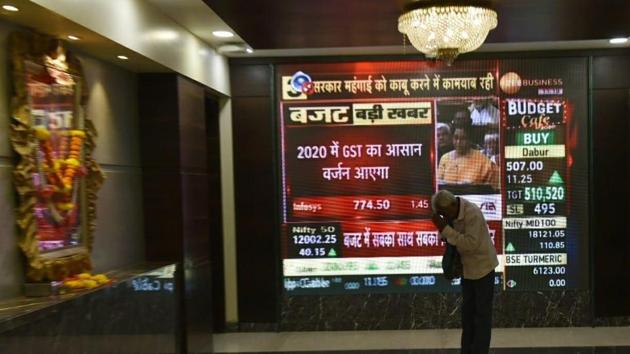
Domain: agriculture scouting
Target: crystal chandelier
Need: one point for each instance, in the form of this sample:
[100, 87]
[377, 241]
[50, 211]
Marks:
[445, 29]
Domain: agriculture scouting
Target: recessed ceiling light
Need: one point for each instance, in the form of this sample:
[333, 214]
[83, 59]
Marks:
[249, 50]
[164, 35]
[73, 38]
[223, 34]
[122, 57]
[618, 40]
[10, 8]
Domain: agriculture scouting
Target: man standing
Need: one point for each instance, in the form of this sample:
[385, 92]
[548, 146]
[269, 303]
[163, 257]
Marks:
[462, 224]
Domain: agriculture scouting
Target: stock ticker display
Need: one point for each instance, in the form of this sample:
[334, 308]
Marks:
[364, 145]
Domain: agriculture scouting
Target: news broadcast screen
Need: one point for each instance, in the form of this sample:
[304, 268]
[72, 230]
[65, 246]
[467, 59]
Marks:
[364, 145]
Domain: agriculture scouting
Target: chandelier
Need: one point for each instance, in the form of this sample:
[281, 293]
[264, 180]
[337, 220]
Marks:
[445, 29]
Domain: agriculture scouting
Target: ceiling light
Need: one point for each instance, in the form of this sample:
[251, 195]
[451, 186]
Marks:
[73, 38]
[249, 50]
[164, 35]
[431, 27]
[618, 40]
[232, 48]
[122, 57]
[10, 8]
[223, 34]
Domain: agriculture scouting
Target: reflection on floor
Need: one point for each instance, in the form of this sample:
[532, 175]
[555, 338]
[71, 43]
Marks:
[581, 340]
[599, 350]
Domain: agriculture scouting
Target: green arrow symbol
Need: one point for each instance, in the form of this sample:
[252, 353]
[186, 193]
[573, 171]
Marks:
[510, 247]
[555, 178]
[332, 253]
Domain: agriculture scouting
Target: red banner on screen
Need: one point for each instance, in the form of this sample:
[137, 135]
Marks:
[398, 239]
[361, 207]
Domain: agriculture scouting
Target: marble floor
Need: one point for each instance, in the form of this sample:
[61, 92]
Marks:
[578, 340]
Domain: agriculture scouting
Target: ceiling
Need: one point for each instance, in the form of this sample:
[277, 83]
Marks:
[292, 24]
[197, 18]
[43, 20]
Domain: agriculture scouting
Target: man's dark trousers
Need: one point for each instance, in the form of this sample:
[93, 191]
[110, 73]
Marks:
[477, 314]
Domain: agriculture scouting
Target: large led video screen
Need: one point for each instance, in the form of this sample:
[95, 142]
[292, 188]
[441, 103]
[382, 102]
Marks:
[363, 146]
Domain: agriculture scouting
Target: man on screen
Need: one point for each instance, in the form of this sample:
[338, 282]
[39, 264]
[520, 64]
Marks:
[491, 147]
[462, 224]
[466, 165]
[484, 113]
[444, 139]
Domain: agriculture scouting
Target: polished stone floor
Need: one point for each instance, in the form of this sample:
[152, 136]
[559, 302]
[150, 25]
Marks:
[581, 340]
[593, 350]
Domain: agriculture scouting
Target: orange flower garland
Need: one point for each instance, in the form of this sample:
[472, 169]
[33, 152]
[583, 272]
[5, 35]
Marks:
[72, 163]
[51, 166]
[61, 172]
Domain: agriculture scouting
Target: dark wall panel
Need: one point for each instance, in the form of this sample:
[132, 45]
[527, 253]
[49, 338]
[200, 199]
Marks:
[195, 217]
[159, 130]
[193, 170]
[215, 213]
[611, 72]
[195, 214]
[192, 126]
[159, 144]
[174, 156]
[255, 206]
[250, 80]
[611, 189]
[162, 218]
